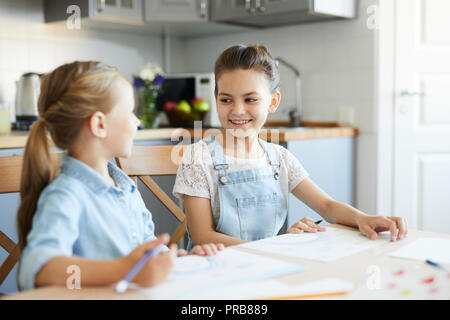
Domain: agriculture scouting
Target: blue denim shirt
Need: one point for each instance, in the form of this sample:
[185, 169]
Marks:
[80, 213]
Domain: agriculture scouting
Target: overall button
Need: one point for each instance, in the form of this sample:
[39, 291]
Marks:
[223, 180]
[134, 235]
[122, 199]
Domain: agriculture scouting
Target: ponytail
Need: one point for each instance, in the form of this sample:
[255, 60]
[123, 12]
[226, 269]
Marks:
[38, 170]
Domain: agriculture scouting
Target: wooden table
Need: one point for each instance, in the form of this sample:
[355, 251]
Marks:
[352, 268]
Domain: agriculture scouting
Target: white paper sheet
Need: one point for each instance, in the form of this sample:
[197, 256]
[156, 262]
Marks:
[434, 249]
[323, 246]
[195, 276]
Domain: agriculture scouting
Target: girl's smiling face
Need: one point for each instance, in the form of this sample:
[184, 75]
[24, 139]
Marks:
[244, 101]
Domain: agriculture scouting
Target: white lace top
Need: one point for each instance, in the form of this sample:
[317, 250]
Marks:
[197, 177]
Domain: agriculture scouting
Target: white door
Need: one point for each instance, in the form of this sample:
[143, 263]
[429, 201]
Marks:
[422, 114]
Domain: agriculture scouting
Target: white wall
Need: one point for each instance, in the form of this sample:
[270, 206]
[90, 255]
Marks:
[27, 44]
[337, 62]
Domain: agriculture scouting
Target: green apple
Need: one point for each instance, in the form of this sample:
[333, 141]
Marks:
[202, 106]
[183, 109]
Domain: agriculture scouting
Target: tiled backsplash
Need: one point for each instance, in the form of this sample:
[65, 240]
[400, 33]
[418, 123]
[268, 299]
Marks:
[27, 44]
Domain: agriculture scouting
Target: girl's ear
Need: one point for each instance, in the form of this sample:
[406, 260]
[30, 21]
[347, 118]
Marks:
[97, 124]
[275, 102]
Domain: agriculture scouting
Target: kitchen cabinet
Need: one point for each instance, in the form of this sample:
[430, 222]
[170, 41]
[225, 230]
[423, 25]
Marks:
[118, 10]
[226, 9]
[155, 17]
[330, 163]
[271, 13]
[122, 11]
[176, 10]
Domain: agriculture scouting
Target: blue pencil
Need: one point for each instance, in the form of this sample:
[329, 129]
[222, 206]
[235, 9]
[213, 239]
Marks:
[434, 264]
[122, 285]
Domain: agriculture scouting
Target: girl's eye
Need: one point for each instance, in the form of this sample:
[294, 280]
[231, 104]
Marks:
[251, 100]
[225, 100]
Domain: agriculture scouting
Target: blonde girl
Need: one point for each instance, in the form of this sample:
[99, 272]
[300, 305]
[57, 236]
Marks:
[235, 186]
[90, 214]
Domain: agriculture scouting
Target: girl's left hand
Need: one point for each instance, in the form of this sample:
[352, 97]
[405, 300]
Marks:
[371, 225]
[203, 249]
[305, 225]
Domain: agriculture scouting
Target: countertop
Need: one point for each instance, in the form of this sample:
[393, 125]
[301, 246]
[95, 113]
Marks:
[277, 131]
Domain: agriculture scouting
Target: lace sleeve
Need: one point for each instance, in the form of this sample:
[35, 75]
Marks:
[295, 170]
[191, 178]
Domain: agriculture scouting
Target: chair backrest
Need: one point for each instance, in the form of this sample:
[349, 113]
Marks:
[10, 173]
[147, 161]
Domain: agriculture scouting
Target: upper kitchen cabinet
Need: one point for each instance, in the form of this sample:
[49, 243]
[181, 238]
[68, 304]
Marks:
[272, 13]
[176, 10]
[122, 11]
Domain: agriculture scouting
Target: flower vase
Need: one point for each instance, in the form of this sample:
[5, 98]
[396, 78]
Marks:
[149, 113]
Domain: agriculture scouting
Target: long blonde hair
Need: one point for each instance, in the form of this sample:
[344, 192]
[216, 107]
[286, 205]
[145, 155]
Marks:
[69, 96]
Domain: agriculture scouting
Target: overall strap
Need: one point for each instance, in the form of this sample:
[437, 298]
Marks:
[272, 157]
[218, 157]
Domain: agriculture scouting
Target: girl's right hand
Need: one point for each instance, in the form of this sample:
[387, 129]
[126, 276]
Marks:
[305, 225]
[157, 268]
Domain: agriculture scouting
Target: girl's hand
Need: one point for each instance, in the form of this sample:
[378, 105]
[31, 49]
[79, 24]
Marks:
[371, 225]
[305, 225]
[157, 268]
[207, 249]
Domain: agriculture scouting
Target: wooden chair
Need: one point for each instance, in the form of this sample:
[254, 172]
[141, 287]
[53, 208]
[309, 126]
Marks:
[147, 161]
[10, 172]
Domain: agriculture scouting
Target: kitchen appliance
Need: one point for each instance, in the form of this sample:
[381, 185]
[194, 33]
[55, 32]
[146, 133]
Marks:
[27, 95]
[187, 86]
[274, 13]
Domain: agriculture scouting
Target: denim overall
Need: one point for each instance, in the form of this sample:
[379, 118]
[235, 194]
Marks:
[252, 203]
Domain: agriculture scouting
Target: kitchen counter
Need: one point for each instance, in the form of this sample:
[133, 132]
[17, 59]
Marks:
[18, 139]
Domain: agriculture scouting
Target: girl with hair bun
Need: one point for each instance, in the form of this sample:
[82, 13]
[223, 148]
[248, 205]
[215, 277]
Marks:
[235, 186]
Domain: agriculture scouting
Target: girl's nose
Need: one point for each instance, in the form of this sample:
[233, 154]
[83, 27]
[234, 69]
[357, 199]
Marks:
[138, 122]
[238, 108]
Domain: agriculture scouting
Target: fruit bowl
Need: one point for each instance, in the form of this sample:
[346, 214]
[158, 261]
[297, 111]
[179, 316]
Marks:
[183, 114]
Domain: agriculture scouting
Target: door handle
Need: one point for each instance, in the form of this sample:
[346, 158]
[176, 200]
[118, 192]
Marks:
[407, 93]
[248, 6]
[101, 5]
[203, 8]
[259, 6]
